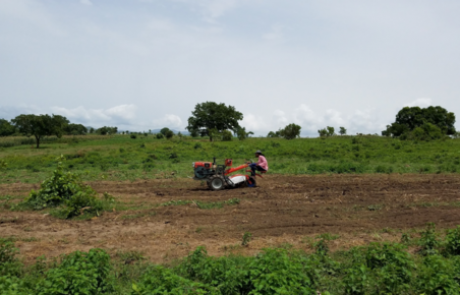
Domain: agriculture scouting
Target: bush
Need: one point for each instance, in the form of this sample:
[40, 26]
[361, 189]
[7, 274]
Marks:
[79, 273]
[276, 271]
[453, 241]
[394, 266]
[429, 241]
[64, 190]
[437, 276]
[160, 280]
[9, 264]
[227, 135]
[133, 136]
[159, 136]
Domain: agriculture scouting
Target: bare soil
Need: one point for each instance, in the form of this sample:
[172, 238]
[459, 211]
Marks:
[281, 210]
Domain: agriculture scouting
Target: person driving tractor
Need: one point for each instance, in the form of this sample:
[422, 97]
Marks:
[261, 165]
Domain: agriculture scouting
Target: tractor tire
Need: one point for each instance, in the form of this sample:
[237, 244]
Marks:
[216, 183]
[251, 182]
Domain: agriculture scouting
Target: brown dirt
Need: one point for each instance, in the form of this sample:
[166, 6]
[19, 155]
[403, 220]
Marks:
[283, 209]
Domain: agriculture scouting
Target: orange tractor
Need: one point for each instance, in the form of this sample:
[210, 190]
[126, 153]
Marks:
[218, 176]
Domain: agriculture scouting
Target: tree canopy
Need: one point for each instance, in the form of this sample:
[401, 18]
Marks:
[75, 129]
[40, 125]
[410, 118]
[291, 131]
[106, 130]
[6, 128]
[210, 115]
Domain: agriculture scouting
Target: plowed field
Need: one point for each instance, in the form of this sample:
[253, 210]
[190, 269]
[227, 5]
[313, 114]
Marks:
[282, 209]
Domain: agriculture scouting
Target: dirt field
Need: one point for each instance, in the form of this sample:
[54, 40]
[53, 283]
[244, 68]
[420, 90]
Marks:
[294, 209]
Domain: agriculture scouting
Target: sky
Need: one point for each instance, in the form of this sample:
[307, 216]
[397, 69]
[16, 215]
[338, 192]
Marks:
[145, 64]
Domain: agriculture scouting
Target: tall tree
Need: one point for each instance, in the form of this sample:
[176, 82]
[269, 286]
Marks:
[343, 131]
[291, 131]
[210, 115]
[6, 128]
[40, 125]
[409, 118]
[75, 129]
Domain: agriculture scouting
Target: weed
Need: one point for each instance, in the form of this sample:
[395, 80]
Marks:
[246, 239]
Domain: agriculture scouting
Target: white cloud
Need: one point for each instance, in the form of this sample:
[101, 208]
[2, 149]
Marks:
[360, 121]
[170, 121]
[420, 102]
[86, 2]
[118, 115]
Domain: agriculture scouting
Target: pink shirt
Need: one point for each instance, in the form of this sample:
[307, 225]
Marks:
[262, 162]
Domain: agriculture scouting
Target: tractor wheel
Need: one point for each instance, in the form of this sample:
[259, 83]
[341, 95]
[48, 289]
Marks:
[251, 182]
[216, 182]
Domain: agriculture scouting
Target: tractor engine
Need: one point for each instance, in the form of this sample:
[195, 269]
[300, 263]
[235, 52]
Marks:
[203, 170]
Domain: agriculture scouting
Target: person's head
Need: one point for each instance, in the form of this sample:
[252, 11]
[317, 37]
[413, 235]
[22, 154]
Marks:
[259, 153]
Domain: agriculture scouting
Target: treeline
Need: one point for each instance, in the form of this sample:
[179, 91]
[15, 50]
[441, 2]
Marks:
[40, 126]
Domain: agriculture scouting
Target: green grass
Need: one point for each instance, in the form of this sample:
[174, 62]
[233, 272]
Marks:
[121, 158]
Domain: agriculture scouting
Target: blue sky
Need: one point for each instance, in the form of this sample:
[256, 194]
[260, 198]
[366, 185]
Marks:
[145, 64]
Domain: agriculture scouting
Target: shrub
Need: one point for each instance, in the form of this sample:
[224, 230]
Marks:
[66, 191]
[453, 241]
[9, 264]
[228, 275]
[79, 273]
[429, 241]
[437, 276]
[227, 135]
[276, 271]
[160, 280]
[133, 136]
[394, 266]
[356, 280]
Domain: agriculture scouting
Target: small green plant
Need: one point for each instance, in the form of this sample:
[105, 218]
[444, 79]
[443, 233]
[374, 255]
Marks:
[356, 280]
[79, 273]
[246, 239]
[429, 240]
[3, 164]
[453, 241]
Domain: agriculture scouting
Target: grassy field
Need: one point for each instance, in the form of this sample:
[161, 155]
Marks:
[120, 157]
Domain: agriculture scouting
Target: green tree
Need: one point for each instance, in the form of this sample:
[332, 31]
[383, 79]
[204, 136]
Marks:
[275, 134]
[343, 131]
[165, 131]
[40, 125]
[6, 128]
[322, 132]
[169, 134]
[330, 131]
[242, 134]
[106, 130]
[75, 129]
[210, 115]
[291, 131]
[409, 118]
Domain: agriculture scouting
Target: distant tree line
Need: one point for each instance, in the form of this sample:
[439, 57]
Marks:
[40, 126]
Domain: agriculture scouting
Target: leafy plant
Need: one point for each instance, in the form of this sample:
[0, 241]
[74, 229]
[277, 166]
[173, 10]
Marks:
[79, 273]
[356, 280]
[453, 241]
[65, 189]
[429, 240]
[246, 239]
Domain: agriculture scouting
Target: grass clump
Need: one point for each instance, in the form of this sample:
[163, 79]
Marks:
[65, 192]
